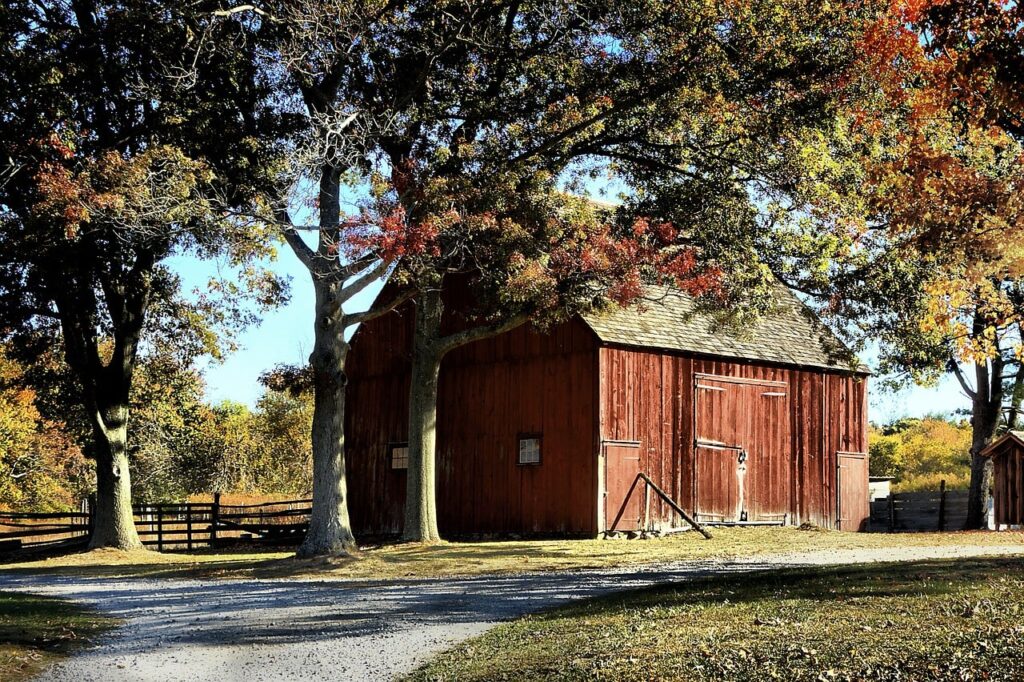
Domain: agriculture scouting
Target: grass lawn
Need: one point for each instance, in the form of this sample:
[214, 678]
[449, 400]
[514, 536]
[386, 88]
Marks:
[37, 631]
[948, 620]
[474, 558]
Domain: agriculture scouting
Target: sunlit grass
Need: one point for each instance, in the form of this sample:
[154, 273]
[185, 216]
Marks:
[929, 620]
[475, 558]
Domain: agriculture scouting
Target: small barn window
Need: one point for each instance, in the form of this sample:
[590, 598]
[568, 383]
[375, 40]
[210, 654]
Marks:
[400, 456]
[529, 449]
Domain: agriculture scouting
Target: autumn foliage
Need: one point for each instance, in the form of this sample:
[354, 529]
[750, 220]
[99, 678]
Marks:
[41, 466]
[944, 162]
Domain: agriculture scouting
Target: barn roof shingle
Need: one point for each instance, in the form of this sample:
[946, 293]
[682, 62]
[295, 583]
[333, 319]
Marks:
[996, 446]
[790, 334]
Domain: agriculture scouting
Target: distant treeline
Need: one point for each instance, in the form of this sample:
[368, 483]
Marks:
[919, 453]
[180, 444]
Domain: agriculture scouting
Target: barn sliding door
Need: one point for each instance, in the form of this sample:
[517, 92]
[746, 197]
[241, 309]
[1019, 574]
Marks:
[742, 452]
[770, 453]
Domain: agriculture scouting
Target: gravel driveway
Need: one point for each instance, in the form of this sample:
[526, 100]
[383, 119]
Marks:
[252, 630]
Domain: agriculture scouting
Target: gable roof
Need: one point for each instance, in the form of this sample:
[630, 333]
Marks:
[790, 334]
[993, 447]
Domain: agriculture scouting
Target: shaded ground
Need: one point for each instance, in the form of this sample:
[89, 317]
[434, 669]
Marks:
[922, 620]
[254, 630]
[486, 558]
[37, 631]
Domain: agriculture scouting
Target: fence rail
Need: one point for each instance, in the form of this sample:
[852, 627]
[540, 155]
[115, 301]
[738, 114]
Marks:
[171, 526]
[43, 531]
[922, 511]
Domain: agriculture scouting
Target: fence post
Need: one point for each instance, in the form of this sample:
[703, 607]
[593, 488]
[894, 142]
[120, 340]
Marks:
[188, 525]
[942, 504]
[159, 528]
[214, 519]
[892, 512]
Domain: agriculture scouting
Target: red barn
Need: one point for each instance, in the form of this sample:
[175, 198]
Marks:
[545, 433]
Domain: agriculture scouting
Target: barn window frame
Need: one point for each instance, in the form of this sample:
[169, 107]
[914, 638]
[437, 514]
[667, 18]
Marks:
[526, 437]
[398, 462]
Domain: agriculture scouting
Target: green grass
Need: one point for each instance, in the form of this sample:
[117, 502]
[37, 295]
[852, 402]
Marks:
[475, 558]
[37, 631]
[931, 620]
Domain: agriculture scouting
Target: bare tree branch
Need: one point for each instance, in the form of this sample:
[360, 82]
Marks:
[379, 309]
[365, 280]
[465, 336]
[959, 374]
[247, 8]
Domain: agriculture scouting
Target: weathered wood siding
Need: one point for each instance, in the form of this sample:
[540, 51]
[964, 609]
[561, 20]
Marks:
[376, 416]
[1008, 488]
[648, 396]
[920, 511]
[584, 402]
[490, 393]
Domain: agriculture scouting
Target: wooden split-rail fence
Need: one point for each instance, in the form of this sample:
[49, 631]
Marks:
[171, 526]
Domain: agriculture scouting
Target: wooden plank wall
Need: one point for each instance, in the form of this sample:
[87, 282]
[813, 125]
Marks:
[1008, 488]
[647, 396]
[490, 393]
[919, 511]
[376, 415]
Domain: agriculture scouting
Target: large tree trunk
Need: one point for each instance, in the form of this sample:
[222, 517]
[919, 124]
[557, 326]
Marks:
[330, 530]
[1016, 399]
[985, 413]
[421, 493]
[106, 386]
[114, 522]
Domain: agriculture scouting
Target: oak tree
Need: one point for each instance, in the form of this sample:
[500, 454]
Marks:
[689, 107]
[934, 263]
[112, 162]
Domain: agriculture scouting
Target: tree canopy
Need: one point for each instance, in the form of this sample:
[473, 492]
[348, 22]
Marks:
[931, 265]
[112, 163]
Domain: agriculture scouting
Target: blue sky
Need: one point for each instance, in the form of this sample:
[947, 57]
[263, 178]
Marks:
[286, 336]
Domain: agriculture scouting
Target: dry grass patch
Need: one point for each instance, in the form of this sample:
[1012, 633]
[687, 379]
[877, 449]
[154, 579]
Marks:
[37, 631]
[929, 620]
[476, 558]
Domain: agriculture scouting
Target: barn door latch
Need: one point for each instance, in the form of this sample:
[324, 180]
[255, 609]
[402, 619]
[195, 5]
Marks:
[742, 457]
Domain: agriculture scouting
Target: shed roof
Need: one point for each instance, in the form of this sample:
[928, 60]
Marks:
[790, 334]
[995, 446]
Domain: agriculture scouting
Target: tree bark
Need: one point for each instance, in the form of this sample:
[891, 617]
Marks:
[421, 494]
[106, 387]
[330, 529]
[986, 407]
[1016, 399]
[114, 521]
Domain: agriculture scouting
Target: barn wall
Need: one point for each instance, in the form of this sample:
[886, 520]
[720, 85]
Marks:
[647, 396]
[376, 415]
[490, 392]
